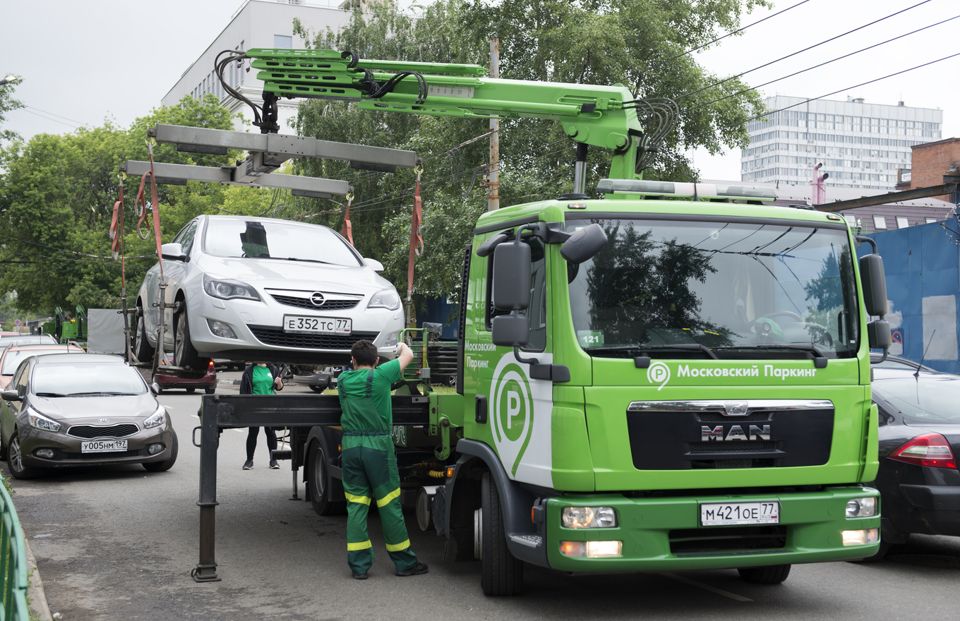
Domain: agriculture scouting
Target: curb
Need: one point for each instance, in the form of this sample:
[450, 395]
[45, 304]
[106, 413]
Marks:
[39, 609]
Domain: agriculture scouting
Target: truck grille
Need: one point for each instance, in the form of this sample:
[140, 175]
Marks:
[328, 305]
[112, 431]
[685, 435]
[269, 335]
[727, 539]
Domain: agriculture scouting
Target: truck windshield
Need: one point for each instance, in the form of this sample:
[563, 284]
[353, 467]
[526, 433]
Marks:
[716, 289]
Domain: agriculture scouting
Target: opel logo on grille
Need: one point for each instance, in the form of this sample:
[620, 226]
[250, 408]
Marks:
[317, 299]
[736, 408]
[102, 420]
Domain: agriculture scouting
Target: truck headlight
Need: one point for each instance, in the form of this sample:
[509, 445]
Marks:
[157, 419]
[40, 421]
[589, 517]
[388, 299]
[862, 507]
[229, 289]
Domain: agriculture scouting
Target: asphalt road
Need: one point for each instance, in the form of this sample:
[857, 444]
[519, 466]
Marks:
[119, 543]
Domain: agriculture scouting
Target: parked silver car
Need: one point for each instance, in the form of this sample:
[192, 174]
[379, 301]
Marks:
[247, 288]
[80, 410]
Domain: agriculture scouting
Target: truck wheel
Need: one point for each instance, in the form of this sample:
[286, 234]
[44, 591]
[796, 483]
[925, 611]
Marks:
[500, 572]
[163, 466]
[184, 355]
[209, 390]
[141, 346]
[15, 460]
[774, 574]
[317, 460]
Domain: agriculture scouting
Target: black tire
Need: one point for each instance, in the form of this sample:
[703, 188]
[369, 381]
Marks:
[317, 483]
[210, 390]
[163, 466]
[15, 461]
[142, 350]
[774, 574]
[184, 354]
[190, 391]
[500, 572]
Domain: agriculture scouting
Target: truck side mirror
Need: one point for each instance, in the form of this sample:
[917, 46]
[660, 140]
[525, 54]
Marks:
[584, 244]
[878, 334]
[511, 276]
[172, 252]
[510, 330]
[874, 285]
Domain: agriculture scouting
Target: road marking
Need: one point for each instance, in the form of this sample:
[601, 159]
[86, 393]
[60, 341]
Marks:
[706, 587]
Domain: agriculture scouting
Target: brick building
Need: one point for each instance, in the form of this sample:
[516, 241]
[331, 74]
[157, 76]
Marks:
[930, 161]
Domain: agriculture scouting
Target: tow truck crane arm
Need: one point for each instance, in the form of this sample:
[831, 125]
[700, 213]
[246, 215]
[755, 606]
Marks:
[600, 116]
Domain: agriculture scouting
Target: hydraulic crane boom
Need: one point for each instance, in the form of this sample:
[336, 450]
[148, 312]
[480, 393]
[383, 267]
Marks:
[600, 116]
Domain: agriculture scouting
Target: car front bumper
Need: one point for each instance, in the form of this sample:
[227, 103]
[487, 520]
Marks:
[664, 533]
[67, 451]
[258, 326]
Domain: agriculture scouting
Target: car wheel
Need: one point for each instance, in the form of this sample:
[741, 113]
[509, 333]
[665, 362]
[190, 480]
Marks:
[210, 390]
[163, 466]
[190, 391]
[15, 460]
[141, 346]
[317, 460]
[184, 355]
[774, 574]
[500, 572]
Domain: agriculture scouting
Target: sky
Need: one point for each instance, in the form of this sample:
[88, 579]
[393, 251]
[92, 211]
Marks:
[86, 61]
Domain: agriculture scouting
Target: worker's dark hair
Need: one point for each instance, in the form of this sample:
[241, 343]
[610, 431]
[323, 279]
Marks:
[364, 352]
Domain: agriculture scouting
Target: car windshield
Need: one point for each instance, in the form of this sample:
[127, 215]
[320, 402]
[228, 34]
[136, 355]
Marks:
[926, 399]
[30, 339]
[63, 379]
[12, 359]
[277, 240]
[727, 289]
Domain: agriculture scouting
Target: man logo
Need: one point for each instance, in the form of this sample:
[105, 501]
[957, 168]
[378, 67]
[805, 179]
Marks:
[512, 403]
[658, 373]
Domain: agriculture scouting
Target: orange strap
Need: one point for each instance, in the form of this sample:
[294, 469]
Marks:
[141, 208]
[347, 230]
[416, 237]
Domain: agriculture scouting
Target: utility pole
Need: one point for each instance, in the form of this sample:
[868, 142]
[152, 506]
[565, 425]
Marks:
[493, 175]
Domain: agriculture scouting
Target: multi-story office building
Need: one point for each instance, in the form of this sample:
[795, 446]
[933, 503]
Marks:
[861, 145]
[257, 23]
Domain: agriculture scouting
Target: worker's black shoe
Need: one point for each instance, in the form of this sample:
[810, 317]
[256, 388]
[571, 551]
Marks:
[274, 465]
[416, 570]
[360, 576]
[247, 465]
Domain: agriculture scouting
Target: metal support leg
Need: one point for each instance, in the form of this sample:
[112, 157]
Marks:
[206, 569]
[296, 485]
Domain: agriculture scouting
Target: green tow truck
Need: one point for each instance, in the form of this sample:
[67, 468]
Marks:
[666, 376]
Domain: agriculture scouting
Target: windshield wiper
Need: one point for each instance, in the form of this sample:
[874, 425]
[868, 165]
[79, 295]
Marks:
[296, 259]
[646, 348]
[99, 394]
[50, 394]
[818, 356]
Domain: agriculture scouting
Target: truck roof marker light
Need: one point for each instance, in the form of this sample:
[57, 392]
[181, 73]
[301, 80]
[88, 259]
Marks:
[931, 450]
[695, 191]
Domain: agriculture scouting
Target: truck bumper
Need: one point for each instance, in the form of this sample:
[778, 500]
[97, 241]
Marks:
[661, 534]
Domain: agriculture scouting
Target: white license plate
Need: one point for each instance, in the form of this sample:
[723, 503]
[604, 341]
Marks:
[103, 446]
[317, 325]
[738, 513]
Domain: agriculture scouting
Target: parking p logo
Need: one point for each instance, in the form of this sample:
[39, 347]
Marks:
[512, 403]
[658, 373]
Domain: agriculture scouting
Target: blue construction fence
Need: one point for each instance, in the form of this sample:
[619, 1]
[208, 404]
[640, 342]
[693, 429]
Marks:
[922, 265]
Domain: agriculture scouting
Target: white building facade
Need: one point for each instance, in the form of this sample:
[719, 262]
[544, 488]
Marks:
[256, 24]
[861, 145]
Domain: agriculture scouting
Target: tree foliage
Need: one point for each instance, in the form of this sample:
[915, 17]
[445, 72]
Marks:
[639, 43]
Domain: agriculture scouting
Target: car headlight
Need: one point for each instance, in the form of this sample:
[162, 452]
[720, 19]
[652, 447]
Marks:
[157, 419]
[40, 421]
[388, 299]
[589, 517]
[229, 289]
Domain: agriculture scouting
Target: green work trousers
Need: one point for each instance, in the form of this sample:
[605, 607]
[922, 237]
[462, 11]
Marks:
[370, 475]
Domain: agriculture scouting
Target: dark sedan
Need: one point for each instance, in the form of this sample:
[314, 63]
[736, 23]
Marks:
[919, 441]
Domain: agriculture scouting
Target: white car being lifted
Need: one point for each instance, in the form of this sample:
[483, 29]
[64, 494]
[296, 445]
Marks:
[246, 288]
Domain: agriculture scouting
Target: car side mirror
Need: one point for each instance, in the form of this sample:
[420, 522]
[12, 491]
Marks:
[11, 395]
[373, 264]
[511, 276]
[874, 284]
[583, 244]
[155, 388]
[173, 252]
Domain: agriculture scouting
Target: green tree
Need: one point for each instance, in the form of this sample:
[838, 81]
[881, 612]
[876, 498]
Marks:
[635, 42]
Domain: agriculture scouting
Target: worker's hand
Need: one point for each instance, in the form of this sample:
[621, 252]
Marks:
[404, 355]
[278, 383]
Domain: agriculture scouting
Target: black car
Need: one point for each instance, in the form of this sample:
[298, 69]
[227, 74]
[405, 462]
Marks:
[919, 443]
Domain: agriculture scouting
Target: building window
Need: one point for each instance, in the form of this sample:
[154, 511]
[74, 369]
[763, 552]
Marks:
[879, 222]
[902, 222]
[931, 220]
[282, 42]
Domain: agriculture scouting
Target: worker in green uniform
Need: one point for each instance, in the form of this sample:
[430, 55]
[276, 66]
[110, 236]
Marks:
[369, 462]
